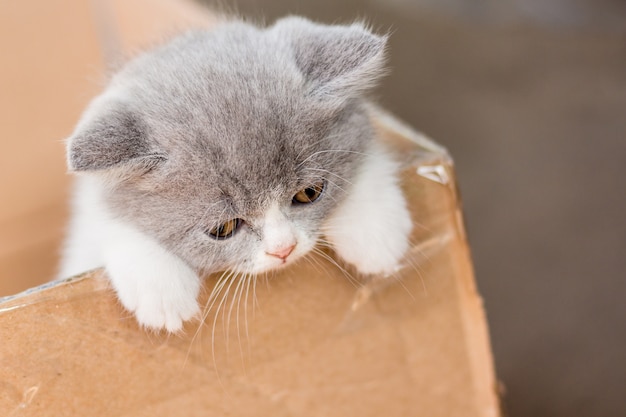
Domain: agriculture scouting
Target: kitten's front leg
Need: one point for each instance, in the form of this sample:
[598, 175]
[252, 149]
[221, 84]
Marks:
[371, 227]
[153, 283]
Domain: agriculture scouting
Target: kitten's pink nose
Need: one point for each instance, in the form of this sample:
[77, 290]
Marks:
[282, 253]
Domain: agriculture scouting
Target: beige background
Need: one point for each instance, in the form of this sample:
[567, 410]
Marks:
[39, 103]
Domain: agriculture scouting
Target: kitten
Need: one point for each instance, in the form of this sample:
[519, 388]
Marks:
[235, 149]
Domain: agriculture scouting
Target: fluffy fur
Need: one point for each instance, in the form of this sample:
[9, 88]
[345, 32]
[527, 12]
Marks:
[232, 123]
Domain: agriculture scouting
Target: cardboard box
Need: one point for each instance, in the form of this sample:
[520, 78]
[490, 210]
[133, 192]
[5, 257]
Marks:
[308, 342]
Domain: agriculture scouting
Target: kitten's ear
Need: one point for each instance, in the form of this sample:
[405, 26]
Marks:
[108, 136]
[337, 60]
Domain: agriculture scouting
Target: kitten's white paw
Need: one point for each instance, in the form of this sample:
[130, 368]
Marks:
[161, 298]
[371, 228]
[374, 241]
[158, 306]
[151, 282]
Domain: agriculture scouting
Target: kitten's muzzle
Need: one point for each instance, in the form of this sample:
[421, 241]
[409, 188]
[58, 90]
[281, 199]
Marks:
[282, 253]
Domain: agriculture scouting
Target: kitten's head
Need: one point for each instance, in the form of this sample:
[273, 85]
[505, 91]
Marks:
[231, 147]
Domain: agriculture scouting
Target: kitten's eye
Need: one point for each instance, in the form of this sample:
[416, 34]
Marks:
[309, 194]
[226, 230]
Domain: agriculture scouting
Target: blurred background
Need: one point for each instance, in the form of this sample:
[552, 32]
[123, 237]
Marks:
[529, 96]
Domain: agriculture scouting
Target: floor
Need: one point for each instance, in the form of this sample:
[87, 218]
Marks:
[530, 98]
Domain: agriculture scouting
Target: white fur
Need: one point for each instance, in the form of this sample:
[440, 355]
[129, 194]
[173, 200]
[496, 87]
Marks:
[371, 228]
[82, 250]
[278, 233]
[156, 285]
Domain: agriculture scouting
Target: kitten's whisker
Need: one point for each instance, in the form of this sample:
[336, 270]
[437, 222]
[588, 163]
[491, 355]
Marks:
[314, 154]
[238, 294]
[399, 281]
[217, 289]
[350, 278]
[415, 264]
[408, 260]
[267, 281]
[314, 260]
[329, 172]
[237, 278]
[255, 300]
[326, 244]
[314, 144]
[203, 217]
[422, 252]
[314, 263]
[344, 272]
[335, 184]
[217, 311]
[207, 307]
[419, 271]
[249, 278]
[225, 317]
[423, 227]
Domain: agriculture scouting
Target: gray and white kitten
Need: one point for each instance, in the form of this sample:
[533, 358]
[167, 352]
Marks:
[237, 148]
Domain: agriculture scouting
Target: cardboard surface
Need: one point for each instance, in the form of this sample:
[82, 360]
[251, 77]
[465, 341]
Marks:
[305, 342]
[309, 341]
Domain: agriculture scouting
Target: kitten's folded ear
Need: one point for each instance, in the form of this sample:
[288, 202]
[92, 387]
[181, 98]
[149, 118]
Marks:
[110, 135]
[336, 60]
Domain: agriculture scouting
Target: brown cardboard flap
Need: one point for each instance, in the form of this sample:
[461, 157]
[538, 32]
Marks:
[309, 341]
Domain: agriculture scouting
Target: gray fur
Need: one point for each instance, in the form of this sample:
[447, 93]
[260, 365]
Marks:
[225, 123]
[115, 137]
